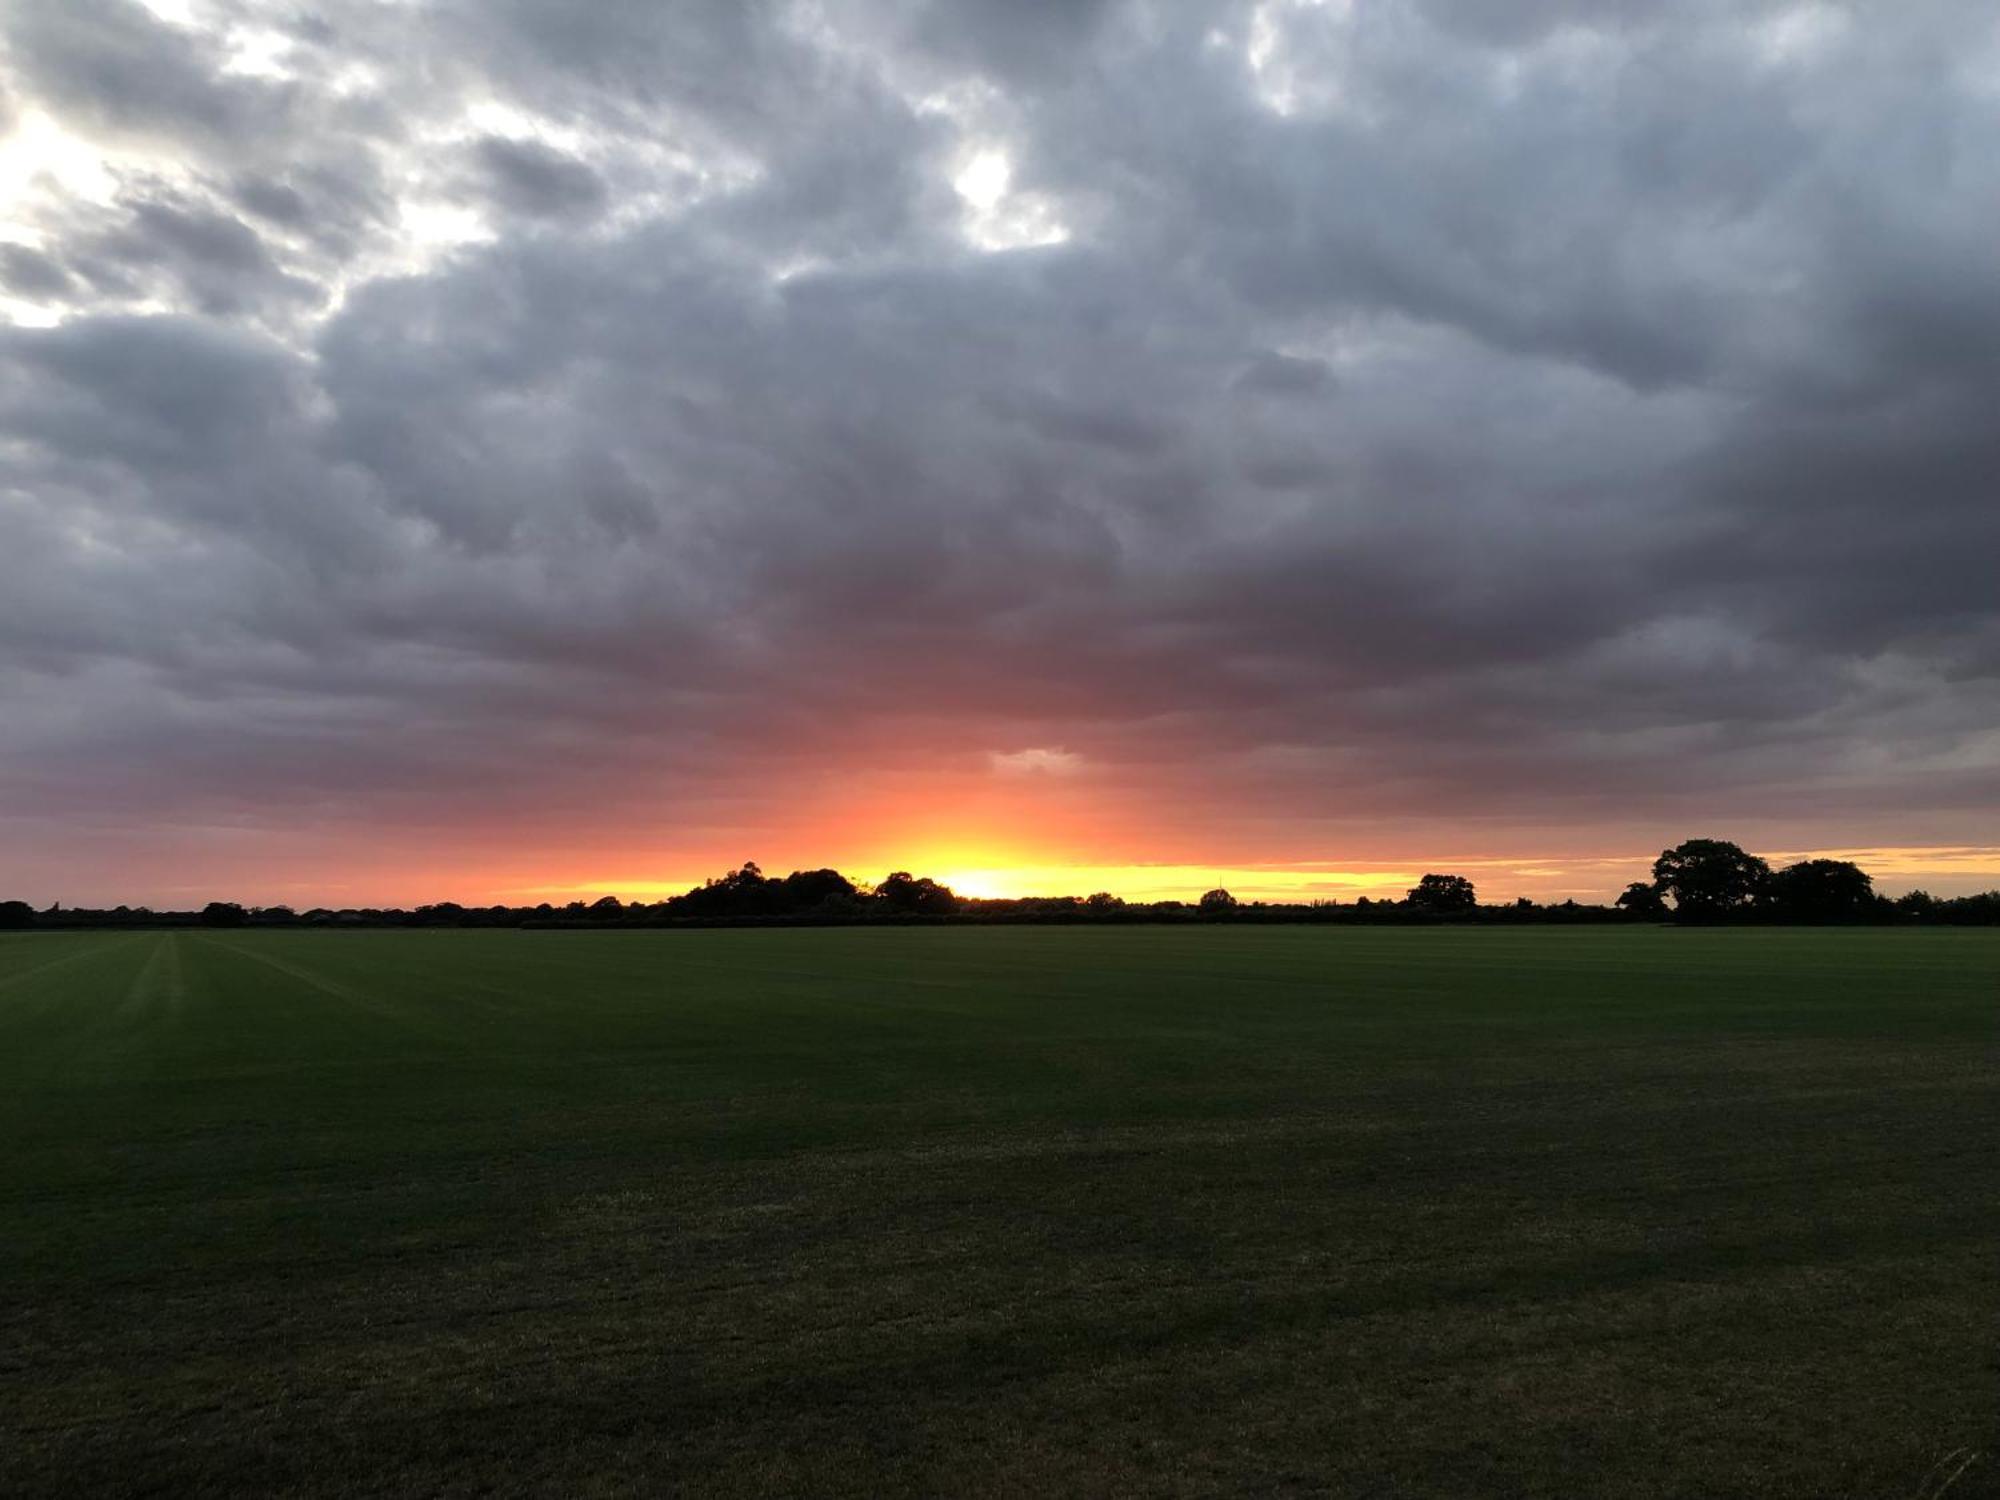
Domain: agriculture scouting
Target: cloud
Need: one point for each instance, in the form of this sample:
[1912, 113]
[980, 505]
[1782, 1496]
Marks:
[29, 272]
[529, 178]
[1497, 416]
[1036, 761]
[111, 67]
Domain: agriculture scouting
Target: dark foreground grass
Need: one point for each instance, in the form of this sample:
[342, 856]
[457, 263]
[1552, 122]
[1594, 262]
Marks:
[1562, 1213]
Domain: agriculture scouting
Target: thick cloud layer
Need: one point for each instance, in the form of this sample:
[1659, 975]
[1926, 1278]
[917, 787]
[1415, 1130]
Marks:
[627, 433]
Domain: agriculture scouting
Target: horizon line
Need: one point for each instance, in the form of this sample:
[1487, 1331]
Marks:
[1274, 882]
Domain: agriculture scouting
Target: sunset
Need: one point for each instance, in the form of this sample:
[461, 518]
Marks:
[514, 444]
[1031, 747]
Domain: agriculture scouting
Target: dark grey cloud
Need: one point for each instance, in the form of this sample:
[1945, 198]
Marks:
[527, 177]
[1514, 22]
[29, 273]
[330, 207]
[1530, 413]
[112, 66]
[188, 250]
[1272, 373]
[274, 201]
[1011, 40]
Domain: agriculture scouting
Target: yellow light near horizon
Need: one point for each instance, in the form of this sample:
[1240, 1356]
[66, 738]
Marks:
[1176, 882]
[1006, 882]
[986, 871]
[981, 885]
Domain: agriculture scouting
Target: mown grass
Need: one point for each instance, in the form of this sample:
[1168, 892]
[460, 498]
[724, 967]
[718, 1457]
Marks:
[1284, 1210]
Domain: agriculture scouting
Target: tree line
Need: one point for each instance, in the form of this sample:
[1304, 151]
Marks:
[1700, 881]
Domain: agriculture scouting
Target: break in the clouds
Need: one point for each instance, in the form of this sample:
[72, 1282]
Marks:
[632, 432]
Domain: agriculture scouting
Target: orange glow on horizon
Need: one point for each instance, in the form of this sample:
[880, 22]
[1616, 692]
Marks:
[1499, 878]
[992, 837]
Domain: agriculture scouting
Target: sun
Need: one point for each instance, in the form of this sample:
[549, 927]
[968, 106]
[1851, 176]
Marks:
[981, 885]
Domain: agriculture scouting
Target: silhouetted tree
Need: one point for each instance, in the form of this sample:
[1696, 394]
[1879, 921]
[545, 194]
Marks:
[743, 892]
[1217, 901]
[607, 906]
[1821, 890]
[906, 894]
[1982, 910]
[815, 890]
[1103, 901]
[16, 914]
[1709, 878]
[1920, 905]
[1642, 900]
[223, 914]
[1443, 894]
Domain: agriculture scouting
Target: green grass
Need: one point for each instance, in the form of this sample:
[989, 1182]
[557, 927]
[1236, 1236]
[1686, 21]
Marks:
[1043, 1211]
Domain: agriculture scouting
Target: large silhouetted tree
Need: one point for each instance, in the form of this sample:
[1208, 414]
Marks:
[904, 893]
[223, 914]
[743, 892]
[1709, 878]
[1821, 890]
[16, 914]
[811, 890]
[1216, 902]
[1443, 895]
[1642, 900]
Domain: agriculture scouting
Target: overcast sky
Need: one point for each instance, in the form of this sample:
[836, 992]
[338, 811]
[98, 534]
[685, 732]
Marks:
[460, 446]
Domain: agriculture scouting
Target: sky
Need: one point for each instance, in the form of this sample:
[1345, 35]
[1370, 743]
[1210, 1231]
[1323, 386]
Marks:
[514, 449]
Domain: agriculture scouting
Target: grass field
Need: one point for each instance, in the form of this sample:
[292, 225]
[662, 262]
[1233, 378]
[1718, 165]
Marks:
[1042, 1211]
